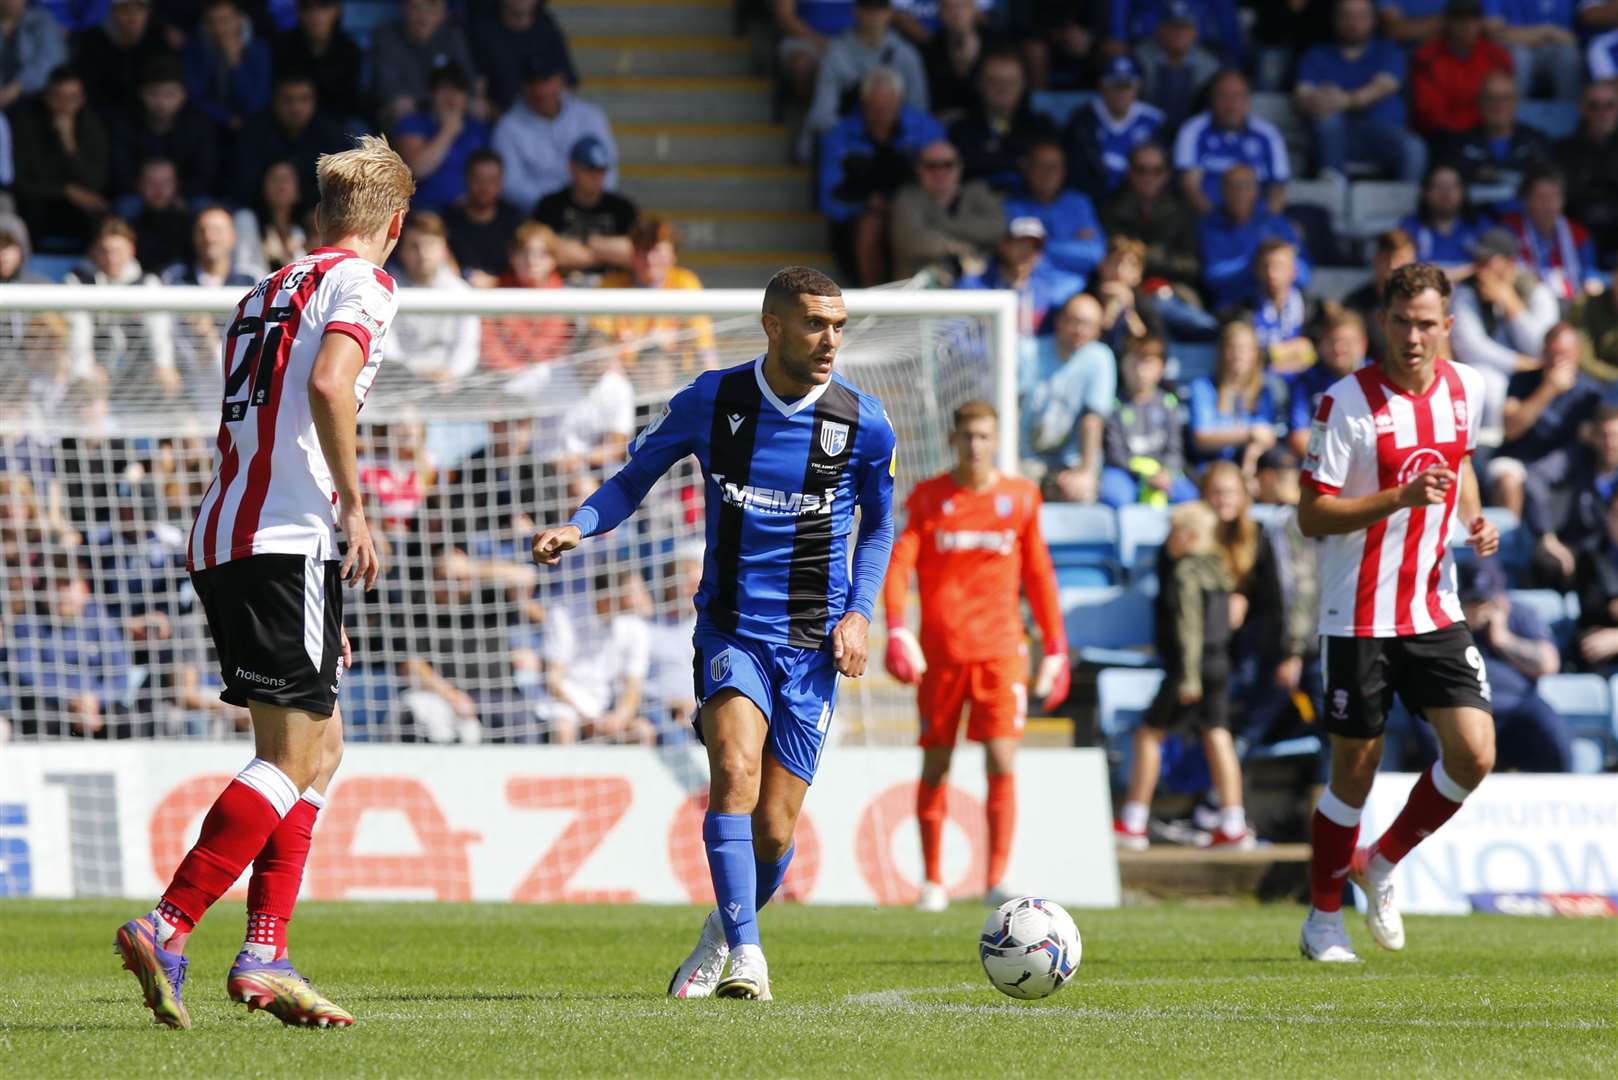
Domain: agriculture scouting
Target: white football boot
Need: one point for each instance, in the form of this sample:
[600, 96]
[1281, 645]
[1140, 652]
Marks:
[699, 974]
[1324, 938]
[933, 897]
[749, 977]
[1382, 916]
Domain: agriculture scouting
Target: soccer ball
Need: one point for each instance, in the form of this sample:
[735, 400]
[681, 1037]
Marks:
[1030, 947]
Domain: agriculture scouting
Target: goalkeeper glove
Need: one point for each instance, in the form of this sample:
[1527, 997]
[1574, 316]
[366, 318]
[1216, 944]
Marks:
[904, 660]
[1054, 680]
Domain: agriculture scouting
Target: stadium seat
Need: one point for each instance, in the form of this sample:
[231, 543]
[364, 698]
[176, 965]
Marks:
[1277, 109]
[1334, 283]
[1516, 542]
[1266, 514]
[1083, 541]
[1556, 119]
[1302, 746]
[1585, 702]
[53, 267]
[1191, 360]
[1059, 104]
[1141, 531]
[1329, 195]
[1550, 606]
[1376, 205]
[1123, 694]
[1109, 626]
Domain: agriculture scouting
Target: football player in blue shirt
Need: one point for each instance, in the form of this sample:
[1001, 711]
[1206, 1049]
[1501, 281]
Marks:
[788, 450]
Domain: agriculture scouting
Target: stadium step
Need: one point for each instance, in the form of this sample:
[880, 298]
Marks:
[673, 55]
[734, 269]
[703, 144]
[640, 99]
[586, 18]
[745, 230]
[1165, 871]
[718, 187]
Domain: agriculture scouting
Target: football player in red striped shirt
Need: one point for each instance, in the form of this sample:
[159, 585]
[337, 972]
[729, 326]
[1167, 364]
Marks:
[972, 538]
[1387, 478]
[299, 358]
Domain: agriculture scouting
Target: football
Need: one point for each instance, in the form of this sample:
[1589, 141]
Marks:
[1029, 948]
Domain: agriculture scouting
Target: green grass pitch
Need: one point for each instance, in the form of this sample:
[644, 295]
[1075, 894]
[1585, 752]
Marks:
[499, 990]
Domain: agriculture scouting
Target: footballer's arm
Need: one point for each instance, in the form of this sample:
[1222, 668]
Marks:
[872, 548]
[336, 413]
[1320, 514]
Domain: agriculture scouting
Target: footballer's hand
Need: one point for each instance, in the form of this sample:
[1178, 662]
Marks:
[549, 545]
[1190, 695]
[1429, 488]
[848, 644]
[1053, 680]
[1484, 536]
[361, 563]
[348, 652]
[904, 659]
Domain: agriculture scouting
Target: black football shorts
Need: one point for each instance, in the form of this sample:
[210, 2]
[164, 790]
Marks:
[1441, 669]
[277, 624]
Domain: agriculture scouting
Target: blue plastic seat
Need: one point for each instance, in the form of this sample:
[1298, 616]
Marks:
[1585, 702]
[1109, 626]
[1192, 360]
[1059, 104]
[1124, 695]
[1141, 531]
[1557, 119]
[1083, 541]
[53, 267]
[1551, 607]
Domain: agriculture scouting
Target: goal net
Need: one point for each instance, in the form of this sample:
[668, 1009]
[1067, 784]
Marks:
[496, 412]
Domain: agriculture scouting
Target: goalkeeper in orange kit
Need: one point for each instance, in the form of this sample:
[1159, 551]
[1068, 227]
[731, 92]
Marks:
[972, 537]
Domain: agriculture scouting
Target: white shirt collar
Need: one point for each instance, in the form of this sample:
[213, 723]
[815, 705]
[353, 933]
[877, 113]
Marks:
[782, 407]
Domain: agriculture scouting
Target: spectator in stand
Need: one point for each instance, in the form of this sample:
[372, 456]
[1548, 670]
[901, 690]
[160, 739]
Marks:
[438, 349]
[1414, 23]
[271, 234]
[1143, 440]
[1136, 20]
[1232, 414]
[1544, 48]
[319, 46]
[511, 343]
[1342, 352]
[1192, 631]
[1585, 158]
[161, 218]
[113, 56]
[670, 701]
[1547, 413]
[939, 218]
[1351, 92]
[596, 663]
[1230, 237]
[293, 129]
[1597, 320]
[227, 71]
[591, 223]
[807, 28]
[1074, 240]
[1279, 313]
[1517, 650]
[1211, 143]
[1596, 647]
[1126, 312]
[1447, 73]
[62, 162]
[521, 34]
[130, 348]
[162, 123]
[536, 136]
[1146, 207]
[405, 53]
[687, 343]
[1101, 135]
[994, 135]
[212, 256]
[1553, 245]
[1066, 391]
[480, 222]
[1391, 250]
[1284, 30]
[951, 58]
[1020, 265]
[1502, 314]
[864, 161]
[1445, 225]
[32, 45]
[1175, 67]
[1499, 150]
[436, 143]
[68, 664]
[870, 43]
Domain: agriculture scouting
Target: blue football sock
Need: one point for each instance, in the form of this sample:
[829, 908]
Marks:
[770, 875]
[729, 840]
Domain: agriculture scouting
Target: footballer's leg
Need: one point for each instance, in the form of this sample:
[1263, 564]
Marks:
[999, 712]
[734, 731]
[939, 698]
[241, 820]
[1334, 828]
[263, 976]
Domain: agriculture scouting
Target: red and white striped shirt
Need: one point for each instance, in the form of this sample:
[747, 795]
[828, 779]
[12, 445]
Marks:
[271, 490]
[1395, 578]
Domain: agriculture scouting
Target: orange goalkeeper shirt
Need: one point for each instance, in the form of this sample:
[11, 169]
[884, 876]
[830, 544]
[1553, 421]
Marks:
[971, 550]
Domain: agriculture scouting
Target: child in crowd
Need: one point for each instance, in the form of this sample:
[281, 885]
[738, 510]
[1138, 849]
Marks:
[1144, 441]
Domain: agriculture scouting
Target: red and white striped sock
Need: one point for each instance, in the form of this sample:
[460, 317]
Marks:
[1333, 829]
[1433, 801]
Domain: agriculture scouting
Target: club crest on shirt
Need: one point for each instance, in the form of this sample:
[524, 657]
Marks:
[1339, 705]
[1419, 461]
[949, 507]
[719, 667]
[833, 437]
[1002, 505]
[1460, 413]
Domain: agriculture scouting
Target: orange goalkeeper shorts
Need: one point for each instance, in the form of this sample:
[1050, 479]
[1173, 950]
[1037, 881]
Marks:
[995, 690]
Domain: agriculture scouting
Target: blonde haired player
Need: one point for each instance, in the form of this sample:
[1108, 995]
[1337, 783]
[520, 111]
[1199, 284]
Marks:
[972, 537]
[299, 358]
